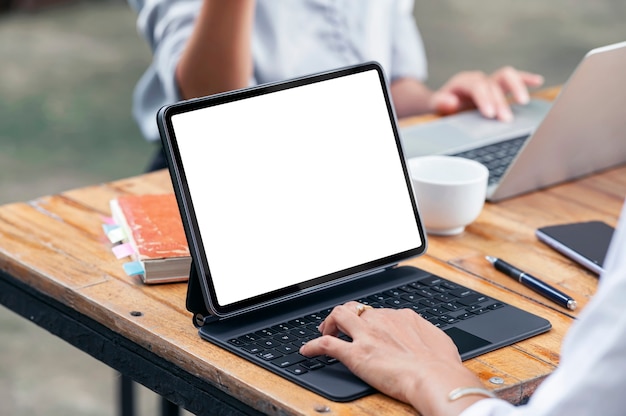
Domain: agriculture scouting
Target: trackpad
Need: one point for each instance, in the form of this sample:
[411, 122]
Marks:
[465, 341]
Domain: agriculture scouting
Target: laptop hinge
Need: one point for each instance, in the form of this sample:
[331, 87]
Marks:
[201, 320]
[201, 315]
[382, 269]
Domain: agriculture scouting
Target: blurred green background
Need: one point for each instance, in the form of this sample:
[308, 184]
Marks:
[66, 78]
[67, 70]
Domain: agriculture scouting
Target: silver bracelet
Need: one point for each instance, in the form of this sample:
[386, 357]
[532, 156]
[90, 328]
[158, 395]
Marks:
[467, 391]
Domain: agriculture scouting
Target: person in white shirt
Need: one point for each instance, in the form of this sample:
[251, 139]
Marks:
[404, 356]
[203, 47]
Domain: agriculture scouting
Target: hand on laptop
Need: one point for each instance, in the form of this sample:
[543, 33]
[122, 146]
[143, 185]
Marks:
[487, 92]
[399, 353]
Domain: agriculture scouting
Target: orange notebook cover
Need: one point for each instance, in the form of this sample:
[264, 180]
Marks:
[154, 230]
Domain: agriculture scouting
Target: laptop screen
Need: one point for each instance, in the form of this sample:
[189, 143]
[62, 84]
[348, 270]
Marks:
[291, 186]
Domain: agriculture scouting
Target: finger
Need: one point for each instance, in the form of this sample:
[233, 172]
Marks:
[327, 345]
[461, 93]
[499, 101]
[444, 102]
[517, 82]
[485, 97]
[490, 97]
[511, 81]
[343, 318]
[478, 89]
[531, 79]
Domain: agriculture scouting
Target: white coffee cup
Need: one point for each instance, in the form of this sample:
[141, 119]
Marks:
[450, 191]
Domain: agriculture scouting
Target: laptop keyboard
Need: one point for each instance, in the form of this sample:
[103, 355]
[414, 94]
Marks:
[438, 300]
[497, 157]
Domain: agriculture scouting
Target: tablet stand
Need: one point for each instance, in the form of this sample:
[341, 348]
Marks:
[195, 301]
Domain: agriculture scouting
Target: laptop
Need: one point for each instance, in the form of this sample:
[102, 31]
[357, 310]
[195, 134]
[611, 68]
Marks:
[295, 197]
[582, 132]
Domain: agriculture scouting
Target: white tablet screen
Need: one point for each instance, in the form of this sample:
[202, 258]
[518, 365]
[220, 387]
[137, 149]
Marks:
[296, 184]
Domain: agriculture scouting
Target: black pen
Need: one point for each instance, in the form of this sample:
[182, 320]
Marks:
[533, 283]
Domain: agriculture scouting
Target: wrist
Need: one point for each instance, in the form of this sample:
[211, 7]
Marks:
[461, 392]
[448, 391]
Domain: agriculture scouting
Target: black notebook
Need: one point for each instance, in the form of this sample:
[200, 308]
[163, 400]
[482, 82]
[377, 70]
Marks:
[295, 197]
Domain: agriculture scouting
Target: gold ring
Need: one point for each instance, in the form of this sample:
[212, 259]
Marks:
[360, 308]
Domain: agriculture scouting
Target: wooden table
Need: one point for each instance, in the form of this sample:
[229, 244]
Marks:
[57, 270]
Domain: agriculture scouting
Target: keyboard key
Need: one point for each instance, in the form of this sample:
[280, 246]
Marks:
[436, 310]
[378, 297]
[327, 359]
[316, 317]
[249, 338]
[268, 343]
[237, 342]
[428, 302]
[462, 292]
[287, 348]
[267, 332]
[299, 322]
[303, 332]
[465, 315]
[282, 327]
[297, 370]
[285, 337]
[252, 348]
[312, 364]
[448, 319]
[407, 288]
[472, 299]
[449, 285]
[393, 293]
[427, 293]
[444, 297]
[396, 303]
[269, 355]
[411, 297]
[431, 281]
[451, 306]
[288, 360]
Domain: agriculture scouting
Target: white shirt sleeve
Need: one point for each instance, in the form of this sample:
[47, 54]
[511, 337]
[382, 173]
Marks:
[166, 26]
[408, 55]
[290, 39]
[591, 376]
